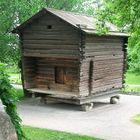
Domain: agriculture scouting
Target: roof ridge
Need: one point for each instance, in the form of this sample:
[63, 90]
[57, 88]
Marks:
[84, 22]
[71, 12]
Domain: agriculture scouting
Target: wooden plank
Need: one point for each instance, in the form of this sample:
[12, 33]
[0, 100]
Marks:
[50, 46]
[113, 53]
[50, 42]
[49, 32]
[54, 92]
[52, 51]
[50, 55]
[108, 87]
[103, 38]
[57, 37]
[103, 44]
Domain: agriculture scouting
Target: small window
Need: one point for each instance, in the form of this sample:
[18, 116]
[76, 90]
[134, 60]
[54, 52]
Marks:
[60, 75]
[49, 27]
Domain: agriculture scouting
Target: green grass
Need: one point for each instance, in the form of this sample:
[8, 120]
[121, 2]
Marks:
[132, 78]
[45, 134]
[131, 82]
[132, 89]
[136, 119]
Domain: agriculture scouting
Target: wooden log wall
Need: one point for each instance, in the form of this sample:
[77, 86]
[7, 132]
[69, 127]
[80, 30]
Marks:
[103, 64]
[29, 71]
[40, 73]
[49, 36]
[45, 77]
[52, 43]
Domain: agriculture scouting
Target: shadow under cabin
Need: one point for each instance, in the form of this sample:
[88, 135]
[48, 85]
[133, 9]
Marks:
[64, 59]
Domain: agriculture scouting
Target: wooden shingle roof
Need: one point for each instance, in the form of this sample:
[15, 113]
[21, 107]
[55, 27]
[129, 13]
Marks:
[82, 22]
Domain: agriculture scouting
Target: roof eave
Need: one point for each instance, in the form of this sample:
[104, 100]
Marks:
[108, 33]
[21, 26]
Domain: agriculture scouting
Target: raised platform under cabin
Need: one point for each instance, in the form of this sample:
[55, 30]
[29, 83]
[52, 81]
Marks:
[64, 59]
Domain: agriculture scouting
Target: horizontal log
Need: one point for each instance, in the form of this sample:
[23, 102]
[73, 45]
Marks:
[107, 80]
[105, 88]
[50, 42]
[47, 46]
[55, 32]
[102, 62]
[51, 55]
[54, 27]
[106, 57]
[54, 37]
[103, 49]
[103, 44]
[52, 51]
[113, 53]
[109, 66]
[101, 75]
[103, 38]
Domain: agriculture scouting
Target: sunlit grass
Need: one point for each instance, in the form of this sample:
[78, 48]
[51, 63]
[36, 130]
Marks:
[132, 78]
[46, 134]
[136, 119]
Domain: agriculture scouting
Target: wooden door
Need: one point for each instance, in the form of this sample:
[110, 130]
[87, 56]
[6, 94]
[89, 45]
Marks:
[60, 75]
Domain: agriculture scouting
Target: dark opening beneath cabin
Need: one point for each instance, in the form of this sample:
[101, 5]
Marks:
[62, 55]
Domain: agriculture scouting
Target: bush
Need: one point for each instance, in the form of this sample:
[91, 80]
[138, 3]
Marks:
[10, 101]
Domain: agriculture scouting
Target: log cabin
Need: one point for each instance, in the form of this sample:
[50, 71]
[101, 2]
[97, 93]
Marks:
[63, 58]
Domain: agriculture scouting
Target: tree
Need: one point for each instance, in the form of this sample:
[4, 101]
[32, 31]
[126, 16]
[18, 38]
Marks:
[9, 100]
[15, 12]
[126, 15]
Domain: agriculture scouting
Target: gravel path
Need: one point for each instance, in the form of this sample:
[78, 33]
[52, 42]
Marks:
[110, 122]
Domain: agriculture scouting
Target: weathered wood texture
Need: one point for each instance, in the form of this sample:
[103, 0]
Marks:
[48, 43]
[58, 57]
[102, 68]
[29, 71]
[49, 36]
[41, 74]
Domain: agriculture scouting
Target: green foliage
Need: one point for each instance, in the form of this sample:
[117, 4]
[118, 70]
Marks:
[45, 134]
[13, 13]
[136, 119]
[132, 78]
[19, 94]
[68, 5]
[15, 78]
[9, 100]
[126, 15]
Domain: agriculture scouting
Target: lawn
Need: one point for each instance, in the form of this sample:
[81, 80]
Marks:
[132, 82]
[136, 119]
[132, 78]
[45, 134]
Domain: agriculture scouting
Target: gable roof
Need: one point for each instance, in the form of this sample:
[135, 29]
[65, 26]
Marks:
[85, 23]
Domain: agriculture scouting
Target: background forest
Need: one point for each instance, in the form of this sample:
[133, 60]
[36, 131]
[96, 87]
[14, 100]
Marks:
[124, 14]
